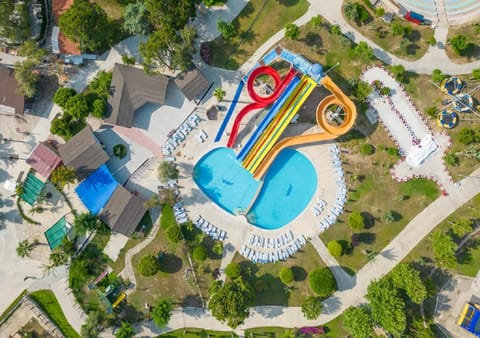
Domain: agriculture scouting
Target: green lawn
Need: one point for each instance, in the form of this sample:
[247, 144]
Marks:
[472, 33]
[195, 333]
[417, 42]
[113, 8]
[48, 302]
[469, 260]
[5, 313]
[256, 23]
[301, 264]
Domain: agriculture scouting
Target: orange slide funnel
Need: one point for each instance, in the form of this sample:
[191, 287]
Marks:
[330, 132]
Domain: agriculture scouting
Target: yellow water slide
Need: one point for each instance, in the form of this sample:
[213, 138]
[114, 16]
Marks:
[286, 118]
[330, 132]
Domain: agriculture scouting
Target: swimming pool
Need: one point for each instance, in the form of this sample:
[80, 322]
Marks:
[287, 188]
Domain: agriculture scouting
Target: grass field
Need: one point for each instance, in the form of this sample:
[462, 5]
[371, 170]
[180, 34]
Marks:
[198, 333]
[472, 35]
[301, 264]
[256, 23]
[48, 302]
[417, 42]
[113, 8]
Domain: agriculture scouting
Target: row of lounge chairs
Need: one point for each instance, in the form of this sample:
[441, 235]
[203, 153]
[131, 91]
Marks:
[274, 243]
[332, 216]
[180, 213]
[202, 136]
[180, 134]
[318, 207]
[273, 256]
[209, 229]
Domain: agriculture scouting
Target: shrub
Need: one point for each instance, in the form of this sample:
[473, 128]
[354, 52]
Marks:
[316, 21]
[311, 307]
[227, 29]
[99, 109]
[432, 112]
[460, 44]
[452, 159]
[217, 248]
[119, 150]
[466, 135]
[233, 270]
[174, 234]
[432, 41]
[437, 76]
[199, 253]
[336, 30]
[385, 91]
[167, 171]
[398, 71]
[148, 265]
[322, 282]
[292, 31]
[366, 149]
[128, 60]
[286, 275]
[476, 74]
[380, 12]
[355, 221]
[335, 248]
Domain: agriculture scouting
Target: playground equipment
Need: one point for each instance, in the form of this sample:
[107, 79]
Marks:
[101, 276]
[230, 111]
[119, 299]
[447, 119]
[463, 103]
[452, 85]
[260, 101]
[331, 132]
[469, 318]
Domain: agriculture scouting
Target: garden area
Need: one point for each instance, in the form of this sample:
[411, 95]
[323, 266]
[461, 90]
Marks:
[400, 37]
[462, 46]
[255, 24]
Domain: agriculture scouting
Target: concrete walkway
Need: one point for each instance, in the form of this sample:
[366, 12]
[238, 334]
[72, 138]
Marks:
[386, 260]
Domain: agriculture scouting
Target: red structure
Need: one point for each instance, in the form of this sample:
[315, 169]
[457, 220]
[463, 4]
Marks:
[260, 101]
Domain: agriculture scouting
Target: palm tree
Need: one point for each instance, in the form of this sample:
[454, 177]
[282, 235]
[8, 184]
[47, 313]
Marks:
[58, 257]
[219, 93]
[24, 248]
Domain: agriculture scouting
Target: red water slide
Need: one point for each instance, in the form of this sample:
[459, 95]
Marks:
[259, 101]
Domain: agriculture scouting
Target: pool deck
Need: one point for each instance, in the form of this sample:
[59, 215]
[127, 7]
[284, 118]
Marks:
[237, 228]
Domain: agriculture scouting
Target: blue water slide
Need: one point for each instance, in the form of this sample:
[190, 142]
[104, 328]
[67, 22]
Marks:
[268, 118]
[230, 111]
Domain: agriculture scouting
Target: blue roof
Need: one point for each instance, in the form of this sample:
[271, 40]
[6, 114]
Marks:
[96, 189]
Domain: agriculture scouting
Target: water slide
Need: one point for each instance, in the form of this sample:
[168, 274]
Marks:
[271, 126]
[230, 112]
[260, 101]
[268, 118]
[331, 132]
[271, 137]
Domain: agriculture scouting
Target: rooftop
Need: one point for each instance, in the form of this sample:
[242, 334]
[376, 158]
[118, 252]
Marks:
[11, 102]
[44, 160]
[192, 83]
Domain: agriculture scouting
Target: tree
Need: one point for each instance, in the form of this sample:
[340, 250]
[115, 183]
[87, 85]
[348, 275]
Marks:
[398, 71]
[219, 93]
[356, 221]
[85, 222]
[311, 307]
[322, 282]
[358, 322]
[286, 275]
[380, 11]
[148, 265]
[128, 60]
[93, 325]
[335, 248]
[356, 12]
[405, 277]
[31, 50]
[77, 107]
[452, 159]
[99, 108]
[167, 171]
[437, 76]
[58, 257]
[364, 51]
[227, 29]
[388, 308]
[336, 30]
[62, 176]
[120, 150]
[444, 250]
[292, 31]
[230, 301]
[460, 44]
[476, 74]
[24, 248]
[217, 248]
[233, 270]
[362, 90]
[27, 77]
[136, 19]
[62, 95]
[462, 226]
[397, 29]
[171, 13]
[125, 331]
[174, 234]
[199, 253]
[86, 23]
[432, 41]
[162, 312]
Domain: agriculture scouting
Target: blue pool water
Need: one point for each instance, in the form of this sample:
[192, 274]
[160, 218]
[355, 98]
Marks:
[287, 188]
